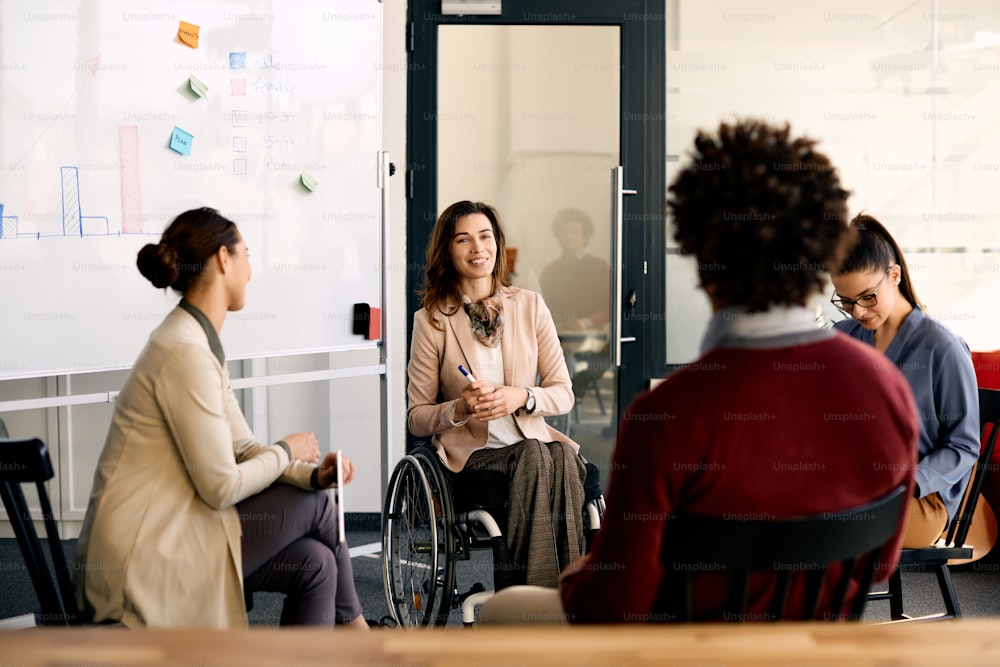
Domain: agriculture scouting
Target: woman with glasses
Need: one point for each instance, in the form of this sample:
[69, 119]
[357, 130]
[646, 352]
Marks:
[874, 289]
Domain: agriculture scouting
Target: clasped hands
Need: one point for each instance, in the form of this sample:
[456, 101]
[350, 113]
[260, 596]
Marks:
[486, 402]
[305, 447]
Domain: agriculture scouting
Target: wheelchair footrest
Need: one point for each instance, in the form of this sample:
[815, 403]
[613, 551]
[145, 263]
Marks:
[457, 600]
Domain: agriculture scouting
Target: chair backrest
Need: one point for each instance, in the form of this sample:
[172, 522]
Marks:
[24, 462]
[794, 551]
[989, 420]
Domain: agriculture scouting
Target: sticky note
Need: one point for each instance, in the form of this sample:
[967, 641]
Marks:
[180, 141]
[237, 60]
[308, 181]
[197, 87]
[188, 33]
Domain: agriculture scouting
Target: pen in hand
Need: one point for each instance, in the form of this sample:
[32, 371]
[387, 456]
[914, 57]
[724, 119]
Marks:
[474, 408]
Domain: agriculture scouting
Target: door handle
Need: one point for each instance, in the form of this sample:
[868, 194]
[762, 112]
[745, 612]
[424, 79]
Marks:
[618, 192]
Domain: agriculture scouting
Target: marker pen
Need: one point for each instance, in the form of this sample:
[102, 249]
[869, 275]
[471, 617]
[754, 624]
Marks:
[466, 373]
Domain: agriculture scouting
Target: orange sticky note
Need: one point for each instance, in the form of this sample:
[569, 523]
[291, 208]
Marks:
[188, 32]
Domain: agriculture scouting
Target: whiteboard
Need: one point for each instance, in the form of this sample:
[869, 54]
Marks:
[91, 93]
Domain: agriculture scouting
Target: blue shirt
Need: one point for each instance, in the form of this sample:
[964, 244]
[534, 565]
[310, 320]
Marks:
[938, 366]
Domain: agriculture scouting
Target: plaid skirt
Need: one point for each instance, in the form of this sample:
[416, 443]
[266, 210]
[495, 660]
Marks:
[540, 485]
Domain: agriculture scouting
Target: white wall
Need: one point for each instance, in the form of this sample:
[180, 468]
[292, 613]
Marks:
[903, 97]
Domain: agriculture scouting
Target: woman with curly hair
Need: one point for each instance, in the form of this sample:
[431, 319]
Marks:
[777, 418]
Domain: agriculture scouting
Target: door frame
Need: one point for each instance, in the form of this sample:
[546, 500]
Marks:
[642, 146]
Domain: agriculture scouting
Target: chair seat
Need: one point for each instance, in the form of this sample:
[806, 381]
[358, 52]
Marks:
[933, 554]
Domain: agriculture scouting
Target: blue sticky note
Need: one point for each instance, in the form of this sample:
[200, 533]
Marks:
[180, 141]
[237, 60]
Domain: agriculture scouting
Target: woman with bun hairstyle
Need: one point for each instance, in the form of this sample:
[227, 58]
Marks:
[186, 512]
[874, 289]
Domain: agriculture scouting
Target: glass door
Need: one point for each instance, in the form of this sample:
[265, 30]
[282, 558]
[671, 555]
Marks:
[529, 122]
[534, 110]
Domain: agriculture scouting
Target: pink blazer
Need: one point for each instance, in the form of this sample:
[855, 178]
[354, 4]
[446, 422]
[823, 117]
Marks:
[532, 357]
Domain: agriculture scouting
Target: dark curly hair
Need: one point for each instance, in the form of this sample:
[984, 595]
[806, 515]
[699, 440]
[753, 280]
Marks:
[189, 241]
[440, 277]
[763, 213]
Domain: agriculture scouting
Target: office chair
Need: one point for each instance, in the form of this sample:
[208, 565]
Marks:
[798, 553]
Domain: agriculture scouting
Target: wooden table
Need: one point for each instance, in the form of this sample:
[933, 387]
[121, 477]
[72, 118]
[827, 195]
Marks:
[942, 644]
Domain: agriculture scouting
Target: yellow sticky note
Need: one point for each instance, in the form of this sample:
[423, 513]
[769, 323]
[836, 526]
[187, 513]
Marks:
[188, 32]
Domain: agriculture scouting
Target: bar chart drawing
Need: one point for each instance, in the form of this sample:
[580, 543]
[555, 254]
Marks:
[8, 225]
[128, 166]
[71, 212]
[73, 221]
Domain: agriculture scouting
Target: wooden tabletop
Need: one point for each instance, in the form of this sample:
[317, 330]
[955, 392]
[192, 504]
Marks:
[967, 643]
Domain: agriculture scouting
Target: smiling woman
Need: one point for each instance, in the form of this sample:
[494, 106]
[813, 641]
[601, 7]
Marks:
[490, 431]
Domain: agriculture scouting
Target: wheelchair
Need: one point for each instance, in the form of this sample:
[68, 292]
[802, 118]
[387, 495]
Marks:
[424, 536]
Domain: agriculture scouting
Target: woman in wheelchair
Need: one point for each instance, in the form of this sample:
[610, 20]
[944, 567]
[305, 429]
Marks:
[488, 425]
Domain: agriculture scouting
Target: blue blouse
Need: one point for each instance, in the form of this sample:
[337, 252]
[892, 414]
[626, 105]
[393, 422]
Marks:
[938, 366]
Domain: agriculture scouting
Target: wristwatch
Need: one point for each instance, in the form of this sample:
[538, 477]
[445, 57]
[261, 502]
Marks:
[529, 405]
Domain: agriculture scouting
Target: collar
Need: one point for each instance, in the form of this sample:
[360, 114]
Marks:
[907, 328]
[214, 344]
[779, 326]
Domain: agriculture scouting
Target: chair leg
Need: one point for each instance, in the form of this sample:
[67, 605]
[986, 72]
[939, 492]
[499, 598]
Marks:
[948, 591]
[597, 393]
[896, 595]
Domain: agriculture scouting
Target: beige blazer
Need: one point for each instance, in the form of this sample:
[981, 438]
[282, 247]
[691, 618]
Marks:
[532, 357]
[160, 543]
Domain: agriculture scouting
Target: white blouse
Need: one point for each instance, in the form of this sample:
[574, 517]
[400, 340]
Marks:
[504, 431]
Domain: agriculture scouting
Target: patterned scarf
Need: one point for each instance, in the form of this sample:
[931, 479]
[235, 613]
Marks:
[486, 318]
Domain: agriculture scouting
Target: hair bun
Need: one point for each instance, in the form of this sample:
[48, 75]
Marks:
[158, 263]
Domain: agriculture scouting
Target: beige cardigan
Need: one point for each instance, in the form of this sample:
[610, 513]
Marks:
[532, 357]
[160, 543]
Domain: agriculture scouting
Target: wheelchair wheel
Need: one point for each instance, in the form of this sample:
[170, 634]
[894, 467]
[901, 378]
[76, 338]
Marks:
[417, 544]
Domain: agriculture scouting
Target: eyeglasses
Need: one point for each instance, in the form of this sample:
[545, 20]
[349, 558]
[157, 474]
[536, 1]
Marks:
[866, 301]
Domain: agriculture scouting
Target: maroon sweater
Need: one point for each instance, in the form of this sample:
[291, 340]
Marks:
[778, 432]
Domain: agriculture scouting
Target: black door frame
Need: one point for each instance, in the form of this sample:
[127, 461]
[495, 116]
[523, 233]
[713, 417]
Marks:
[642, 147]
